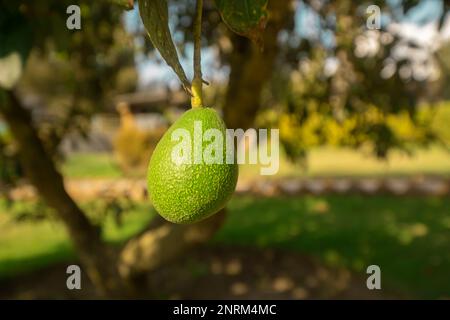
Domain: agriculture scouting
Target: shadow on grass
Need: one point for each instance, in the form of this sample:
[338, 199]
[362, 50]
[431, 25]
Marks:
[408, 237]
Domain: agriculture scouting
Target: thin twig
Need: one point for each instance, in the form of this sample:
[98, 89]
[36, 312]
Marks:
[197, 98]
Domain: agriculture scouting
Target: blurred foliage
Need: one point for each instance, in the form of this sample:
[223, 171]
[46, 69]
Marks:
[110, 208]
[342, 94]
[443, 57]
[336, 89]
[319, 129]
[133, 146]
[36, 211]
[69, 75]
[10, 169]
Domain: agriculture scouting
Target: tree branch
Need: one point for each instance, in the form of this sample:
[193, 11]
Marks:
[251, 68]
[41, 172]
[162, 242]
[197, 83]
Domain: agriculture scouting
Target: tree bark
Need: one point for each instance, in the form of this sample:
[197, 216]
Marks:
[39, 167]
[162, 242]
[251, 68]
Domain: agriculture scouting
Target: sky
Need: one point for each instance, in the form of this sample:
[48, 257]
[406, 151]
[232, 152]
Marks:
[153, 69]
[419, 25]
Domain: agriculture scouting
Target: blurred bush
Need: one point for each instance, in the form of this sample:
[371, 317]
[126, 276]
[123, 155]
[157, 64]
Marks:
[317, 129]
[133, 146]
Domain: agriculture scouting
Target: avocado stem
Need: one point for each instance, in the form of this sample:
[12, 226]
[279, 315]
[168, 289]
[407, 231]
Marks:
[197, 95]
[197, 82]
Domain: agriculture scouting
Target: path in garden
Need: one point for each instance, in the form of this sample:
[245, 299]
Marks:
[86, 189]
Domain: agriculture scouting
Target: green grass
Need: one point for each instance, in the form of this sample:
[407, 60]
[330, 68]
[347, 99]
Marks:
[321, 162]
[29, 245]
[91, 165]
[335, 162]
[408, 237]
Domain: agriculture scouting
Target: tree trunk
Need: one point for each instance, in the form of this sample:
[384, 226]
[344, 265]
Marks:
[162, 242]
[251, 68]
[41, 172]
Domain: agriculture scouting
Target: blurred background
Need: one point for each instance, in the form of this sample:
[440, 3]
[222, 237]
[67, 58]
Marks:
[364, 119]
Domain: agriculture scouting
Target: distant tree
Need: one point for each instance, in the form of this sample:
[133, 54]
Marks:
[343, 82]
[71, 75]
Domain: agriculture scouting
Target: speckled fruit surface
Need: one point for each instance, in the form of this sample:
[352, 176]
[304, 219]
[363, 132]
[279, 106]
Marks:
[188, 192]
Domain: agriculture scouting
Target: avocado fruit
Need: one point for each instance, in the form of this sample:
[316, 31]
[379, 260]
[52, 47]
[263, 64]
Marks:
[190, 191]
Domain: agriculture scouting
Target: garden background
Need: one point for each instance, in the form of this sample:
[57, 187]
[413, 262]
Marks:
[364, 170]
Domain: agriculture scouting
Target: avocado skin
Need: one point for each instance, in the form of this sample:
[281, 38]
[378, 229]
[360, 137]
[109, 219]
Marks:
[189, 193]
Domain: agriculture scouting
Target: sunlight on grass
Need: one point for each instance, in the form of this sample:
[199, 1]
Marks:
[405, 236]
[321, 162]
[408, 237]
[333, 162]
[91, 165]
[28, 245]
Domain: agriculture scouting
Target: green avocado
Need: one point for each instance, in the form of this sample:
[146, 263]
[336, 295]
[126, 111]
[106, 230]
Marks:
[189, 177]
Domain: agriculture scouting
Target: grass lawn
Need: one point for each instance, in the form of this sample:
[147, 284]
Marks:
[25, 246]
[321, 162]
[91, 165]
[408, 237]
[336, 162]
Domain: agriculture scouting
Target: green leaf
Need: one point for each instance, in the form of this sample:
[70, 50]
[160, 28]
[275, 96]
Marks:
[245, 17]
[154, 14]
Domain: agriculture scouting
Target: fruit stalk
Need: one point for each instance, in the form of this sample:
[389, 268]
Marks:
[197, 82]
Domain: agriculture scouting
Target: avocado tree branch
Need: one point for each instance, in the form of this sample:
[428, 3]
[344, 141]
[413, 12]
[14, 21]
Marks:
[98, 259]
[162, 242]
[251, 68]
